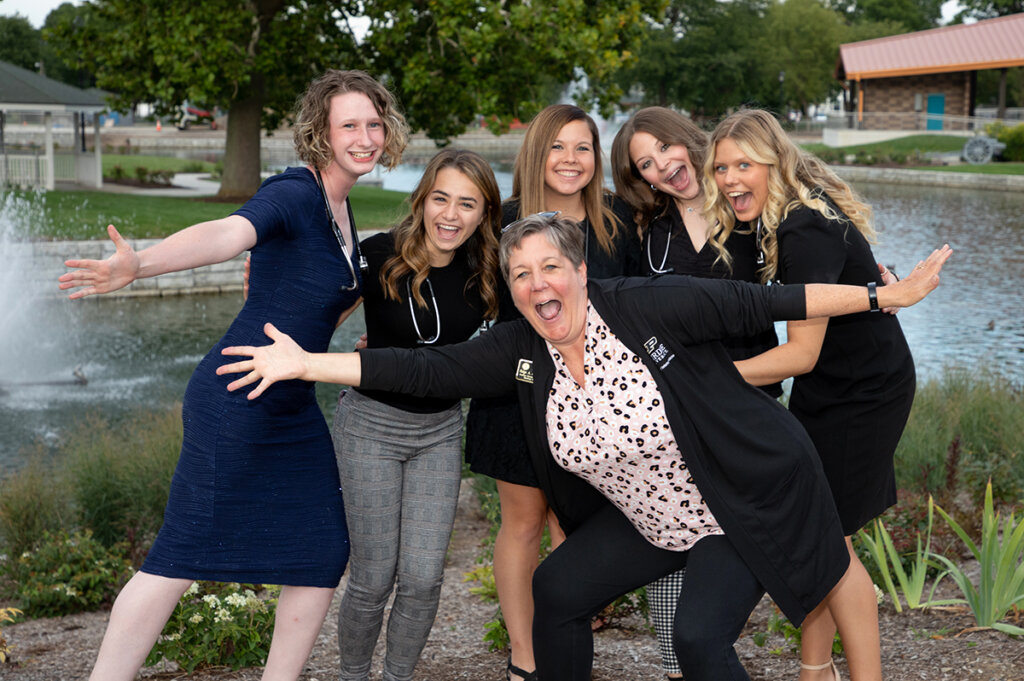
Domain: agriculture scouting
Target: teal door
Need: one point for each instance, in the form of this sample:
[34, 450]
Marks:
[936, 108]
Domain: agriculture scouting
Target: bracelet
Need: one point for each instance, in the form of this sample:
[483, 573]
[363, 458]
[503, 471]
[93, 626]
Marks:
[872, 296]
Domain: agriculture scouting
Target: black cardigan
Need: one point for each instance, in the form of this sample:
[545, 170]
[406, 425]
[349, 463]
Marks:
[751, 460]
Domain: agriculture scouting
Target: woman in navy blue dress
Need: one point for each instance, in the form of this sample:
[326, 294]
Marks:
[255, 496]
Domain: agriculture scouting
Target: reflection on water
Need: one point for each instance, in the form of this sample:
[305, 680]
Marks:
[976, 316]
[140, 352]
[137, 353]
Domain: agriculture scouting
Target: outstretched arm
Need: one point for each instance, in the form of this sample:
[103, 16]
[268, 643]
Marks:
[201, 244]
[284, 360]
[799, 353]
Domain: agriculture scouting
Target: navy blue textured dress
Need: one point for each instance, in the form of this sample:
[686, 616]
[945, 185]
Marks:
[255, 497]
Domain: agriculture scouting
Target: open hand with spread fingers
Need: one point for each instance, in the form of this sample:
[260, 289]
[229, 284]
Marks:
[102, 276]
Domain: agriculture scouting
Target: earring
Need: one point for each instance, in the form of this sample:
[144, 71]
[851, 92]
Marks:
[653, 188]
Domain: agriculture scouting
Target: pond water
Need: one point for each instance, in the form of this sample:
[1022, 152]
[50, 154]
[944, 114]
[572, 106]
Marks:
[139, 352]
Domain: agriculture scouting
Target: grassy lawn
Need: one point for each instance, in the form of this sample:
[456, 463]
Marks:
[86, 214]
[900, 145]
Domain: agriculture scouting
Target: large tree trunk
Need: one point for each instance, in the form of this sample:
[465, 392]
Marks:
[241, 176]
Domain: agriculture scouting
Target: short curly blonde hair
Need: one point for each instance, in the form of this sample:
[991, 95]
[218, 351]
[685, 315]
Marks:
[313, 108]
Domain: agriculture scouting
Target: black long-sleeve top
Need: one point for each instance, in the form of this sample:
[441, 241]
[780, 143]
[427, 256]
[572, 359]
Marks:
[751, 460]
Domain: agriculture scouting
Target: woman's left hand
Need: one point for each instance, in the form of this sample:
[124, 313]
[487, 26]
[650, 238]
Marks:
[921, 281]
[282, 360]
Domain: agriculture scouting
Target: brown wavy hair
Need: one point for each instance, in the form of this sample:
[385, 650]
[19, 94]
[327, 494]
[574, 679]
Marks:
[528, 173]
[481, 249]
[795, 178]
[666, 126]
[312, 124]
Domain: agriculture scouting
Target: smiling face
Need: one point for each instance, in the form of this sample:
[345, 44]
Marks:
[666, 167]
[356, 133]
[743, 181]
[452, 211]
[548, 290]
[571, 162]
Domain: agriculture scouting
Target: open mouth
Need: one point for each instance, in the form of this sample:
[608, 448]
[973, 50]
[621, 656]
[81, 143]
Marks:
[361, 155]
[447, 231]
[548, 310]
[740, 201]
[679, 178]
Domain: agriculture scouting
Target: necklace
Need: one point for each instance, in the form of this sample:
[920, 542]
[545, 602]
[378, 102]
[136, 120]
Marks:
[412, 313]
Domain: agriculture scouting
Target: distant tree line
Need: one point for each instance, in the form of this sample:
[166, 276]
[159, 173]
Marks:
[464, 62]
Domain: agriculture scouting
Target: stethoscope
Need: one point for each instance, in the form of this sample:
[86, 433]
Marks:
[660, 269]
[412, 313]
[363, 265]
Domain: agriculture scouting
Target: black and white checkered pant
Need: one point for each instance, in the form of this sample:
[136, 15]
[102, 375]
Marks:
[662, 597]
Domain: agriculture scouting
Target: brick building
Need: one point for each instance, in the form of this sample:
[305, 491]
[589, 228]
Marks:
[926, 80]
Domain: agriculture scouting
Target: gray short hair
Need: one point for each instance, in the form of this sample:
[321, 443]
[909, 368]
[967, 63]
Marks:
[563, 233]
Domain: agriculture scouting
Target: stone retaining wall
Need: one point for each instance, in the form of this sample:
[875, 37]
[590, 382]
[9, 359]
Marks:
[41, 262]
[931, 178]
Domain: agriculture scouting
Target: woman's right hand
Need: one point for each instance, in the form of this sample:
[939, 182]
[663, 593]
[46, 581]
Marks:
[102, 276]
[282, 360]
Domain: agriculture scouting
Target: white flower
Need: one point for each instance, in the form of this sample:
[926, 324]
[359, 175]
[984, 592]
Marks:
[173, 637]
[196, 618]
[192, 590]
[235, 600]
[879, 594]
[211, 600]
[222, 615]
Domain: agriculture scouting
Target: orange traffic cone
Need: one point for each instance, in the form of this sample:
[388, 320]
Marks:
[158, 126]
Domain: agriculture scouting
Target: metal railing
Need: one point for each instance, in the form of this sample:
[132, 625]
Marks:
[29, 170]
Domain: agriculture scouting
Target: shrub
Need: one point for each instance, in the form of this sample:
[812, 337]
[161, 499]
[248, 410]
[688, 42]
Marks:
[227, 626]
[32, 501]
[66, 574]
[142, 173]
[963, 428]
[118, 173]
[1013, 138]
[120, 477]
[161, 176]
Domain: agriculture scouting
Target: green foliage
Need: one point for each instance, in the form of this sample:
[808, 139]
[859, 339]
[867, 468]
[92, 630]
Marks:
[882, 549]
[1000, 556]
[908, 15]
[964, 427]
[128, 162]
[1012, 137]
[20, 43]
[694, 57]
[120, 477]
[987, 9]
[32, 501]
[227, 626]
[778, 624]
[484, 45]
[7, 616]
[65, 574]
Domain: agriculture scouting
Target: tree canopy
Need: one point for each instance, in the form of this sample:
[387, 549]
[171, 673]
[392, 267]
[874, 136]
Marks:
[20, 43]
[448, 62]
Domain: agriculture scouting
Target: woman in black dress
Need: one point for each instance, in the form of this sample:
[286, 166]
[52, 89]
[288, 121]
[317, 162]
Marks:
[854, 374]
[558, 168]
[657, 163]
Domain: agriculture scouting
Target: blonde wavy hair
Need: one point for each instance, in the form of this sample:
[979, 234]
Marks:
[528, 173]
[795, 178]
[411, 259]
[311, 131]
[666, 126]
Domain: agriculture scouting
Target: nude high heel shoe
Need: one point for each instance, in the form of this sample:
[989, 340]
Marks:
[817, 667]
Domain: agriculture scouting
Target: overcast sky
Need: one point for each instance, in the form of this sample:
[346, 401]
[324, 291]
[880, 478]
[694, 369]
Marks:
[36, 10]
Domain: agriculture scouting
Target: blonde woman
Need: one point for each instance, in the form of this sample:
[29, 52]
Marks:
[854, 374]
[255, 497]
[558, 168]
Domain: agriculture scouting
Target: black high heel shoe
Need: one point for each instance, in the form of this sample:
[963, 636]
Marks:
[511, 669]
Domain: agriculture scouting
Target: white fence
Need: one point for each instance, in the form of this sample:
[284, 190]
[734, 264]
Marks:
[29, 170]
